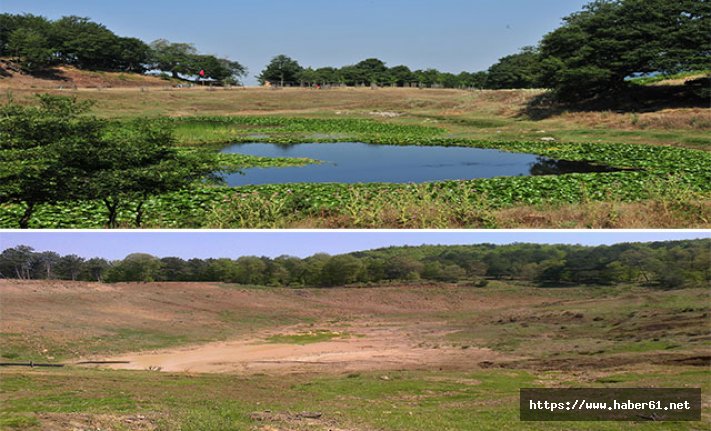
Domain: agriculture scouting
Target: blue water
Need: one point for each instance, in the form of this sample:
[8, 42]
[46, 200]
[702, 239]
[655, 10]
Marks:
[355, 162]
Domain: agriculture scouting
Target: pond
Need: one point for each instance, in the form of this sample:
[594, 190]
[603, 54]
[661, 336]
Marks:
[356, 162]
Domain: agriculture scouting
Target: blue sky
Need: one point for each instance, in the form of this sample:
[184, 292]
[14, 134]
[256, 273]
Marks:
[116, 245]
[450, 35]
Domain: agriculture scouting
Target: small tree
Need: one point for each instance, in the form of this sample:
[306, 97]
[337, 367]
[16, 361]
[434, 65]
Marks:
[55, 153]
[283, 70]
[136, 161]
[33, 163]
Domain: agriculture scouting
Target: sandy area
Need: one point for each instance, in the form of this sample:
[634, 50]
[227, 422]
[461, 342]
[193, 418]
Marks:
[371, 347]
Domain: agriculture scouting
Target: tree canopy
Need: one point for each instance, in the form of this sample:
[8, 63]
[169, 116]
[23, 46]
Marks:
[666, 265]
[281, 70]
[598, 48]
[38, 43]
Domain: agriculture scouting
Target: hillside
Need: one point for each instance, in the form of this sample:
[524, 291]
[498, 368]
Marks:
[67, 77]
[214, 356]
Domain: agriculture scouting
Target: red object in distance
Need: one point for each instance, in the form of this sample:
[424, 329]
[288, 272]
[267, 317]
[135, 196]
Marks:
[202, 73]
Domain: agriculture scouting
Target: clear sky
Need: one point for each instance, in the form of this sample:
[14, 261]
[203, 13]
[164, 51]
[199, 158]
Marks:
[450, 35]
[117, 244]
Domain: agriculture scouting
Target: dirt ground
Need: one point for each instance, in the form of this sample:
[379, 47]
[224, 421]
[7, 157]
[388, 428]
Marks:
[66, 77]
[213, 327]
[375, 346]
[228, 329]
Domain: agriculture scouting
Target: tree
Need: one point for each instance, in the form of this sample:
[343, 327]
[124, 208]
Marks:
[16, 262]
[36, 168]
[341, 270]
[135, 267]
[70, 266]
[132, 55]
[135, 161]
[55, 152]
[372, 71]
[84, 44]
[220, 69]
[175, 58]
[596, 49]
[94, 269]
[46, 264]
[281, 70]
[250, 270]
[400, 76]
[31, 48]
[520, 70]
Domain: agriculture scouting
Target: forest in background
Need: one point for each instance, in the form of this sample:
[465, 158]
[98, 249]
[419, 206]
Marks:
[667, 265]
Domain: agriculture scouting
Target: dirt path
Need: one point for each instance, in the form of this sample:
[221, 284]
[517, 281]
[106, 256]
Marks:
[366, 347]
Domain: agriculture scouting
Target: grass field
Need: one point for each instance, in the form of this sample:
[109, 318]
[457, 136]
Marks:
[418, 357]
[667, 150]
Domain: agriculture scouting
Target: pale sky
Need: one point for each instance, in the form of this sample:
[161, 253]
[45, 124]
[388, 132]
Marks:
[449, 35]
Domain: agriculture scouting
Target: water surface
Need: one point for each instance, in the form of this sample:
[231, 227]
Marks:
[356, 162]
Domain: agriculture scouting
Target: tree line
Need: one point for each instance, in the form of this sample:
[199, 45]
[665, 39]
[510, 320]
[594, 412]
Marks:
[38, 43]
[669, 265]
[592, 55]
[284, 71]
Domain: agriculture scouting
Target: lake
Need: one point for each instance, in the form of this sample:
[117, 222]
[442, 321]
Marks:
[356, 162]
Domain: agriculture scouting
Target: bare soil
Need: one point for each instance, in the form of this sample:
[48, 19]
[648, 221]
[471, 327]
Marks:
[376, 346]
[67, 77]
[381, 328]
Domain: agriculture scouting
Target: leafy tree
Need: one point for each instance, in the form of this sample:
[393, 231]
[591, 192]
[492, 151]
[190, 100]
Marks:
[85, 44]
[31, 48]
[520, 70]
[250, 270]
[372, 70]
[175, 58]
[132, 55]
[135, 267]
[16, 262]
[54, 152]
[9, 23]
[308, 77]
[70, 266]
[45, 264]
[341, 270]
[329, 75]
[400, 76]
[282, 70]
[94, 269]
[136, 161]
[36, 165]
[229, 72]
[596, 49]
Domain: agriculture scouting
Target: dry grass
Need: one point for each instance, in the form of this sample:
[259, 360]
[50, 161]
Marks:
[608, 215]
[487, 115]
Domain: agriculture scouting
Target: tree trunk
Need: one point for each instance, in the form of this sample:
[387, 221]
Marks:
[139, 213]
[25, 219]
[112, 208]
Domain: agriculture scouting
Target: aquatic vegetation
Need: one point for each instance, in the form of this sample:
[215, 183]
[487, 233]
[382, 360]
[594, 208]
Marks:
[651, 172]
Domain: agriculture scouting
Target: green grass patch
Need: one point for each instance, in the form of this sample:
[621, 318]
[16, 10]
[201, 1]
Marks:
[310, 337]
[413, 401]
[648, 80]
